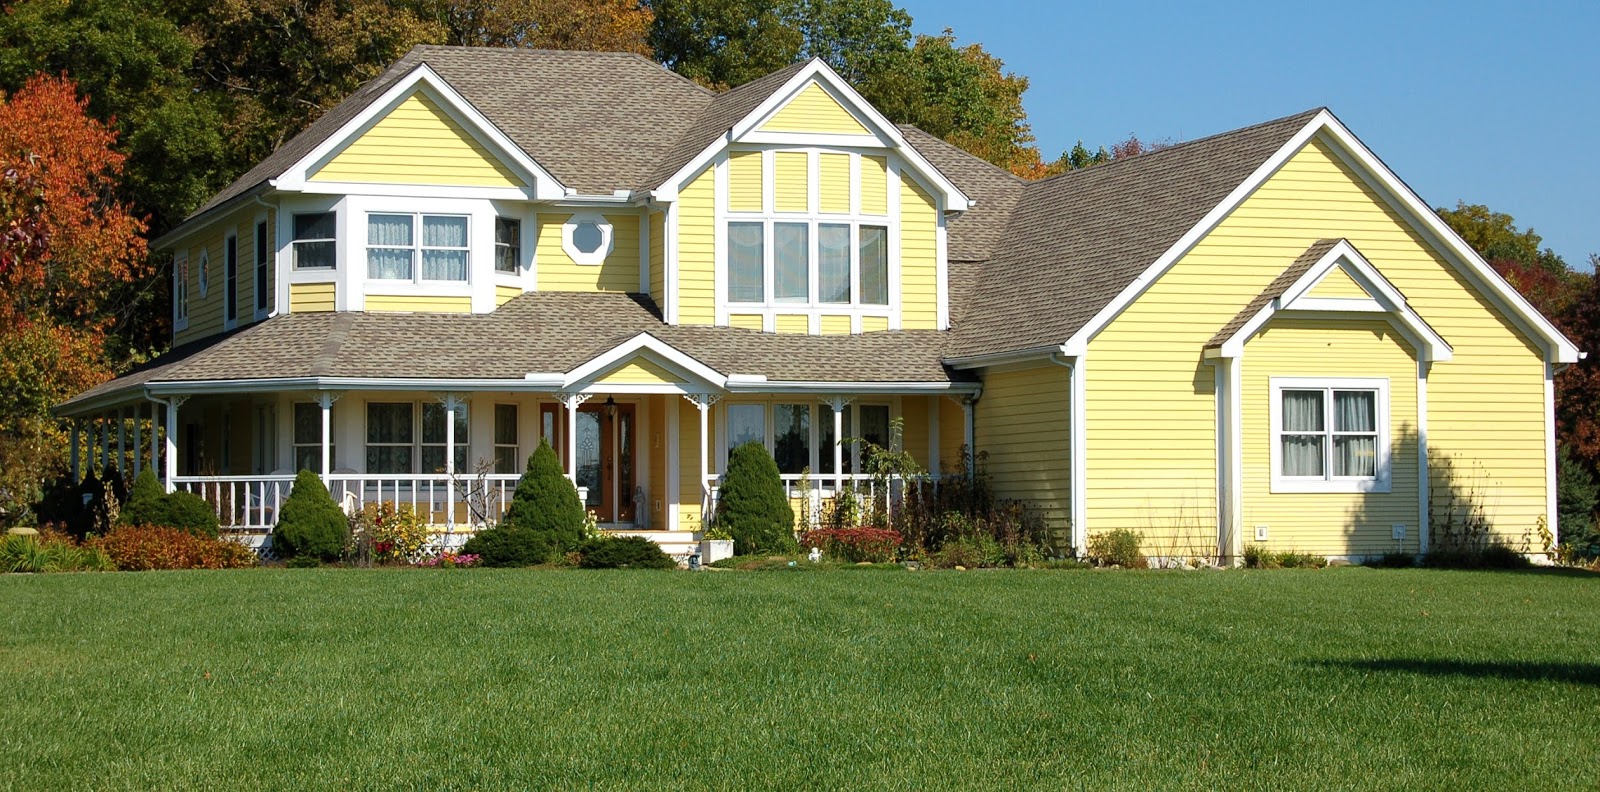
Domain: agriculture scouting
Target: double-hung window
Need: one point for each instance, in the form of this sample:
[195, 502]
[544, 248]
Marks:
[807, 262]
[507, 244]
[180, 291]
[506, 447]
[1329, 435]
[308, 438]
[417, 247]
[314, 245]
[404, 437]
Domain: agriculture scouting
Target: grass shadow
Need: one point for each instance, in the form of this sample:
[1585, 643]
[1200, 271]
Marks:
[1570, 673]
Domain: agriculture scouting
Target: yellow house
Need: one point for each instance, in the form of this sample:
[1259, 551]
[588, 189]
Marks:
[1258, 337]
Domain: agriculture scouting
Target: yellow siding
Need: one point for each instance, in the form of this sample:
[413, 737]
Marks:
[658, 257]
[389, 302]
[1151, 408]
[558, 272]
[919, 223]
[791, 185]
[914, 412]
[1338, 284]
[744, 181]
[1329, 523]
[952, 434]
[1024, 424]
[504, 294]
[792, 323]
[870, 324]
[833, 183]
[696, 246]
[310, 297]
[746, 321]
[835, 325]
[874, 185]
[206, 313]
[814, 110]
[689, 488]
[641, 372]
[417, 143]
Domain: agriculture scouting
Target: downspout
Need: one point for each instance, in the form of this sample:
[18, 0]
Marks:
[1078, 474]
[276, 276]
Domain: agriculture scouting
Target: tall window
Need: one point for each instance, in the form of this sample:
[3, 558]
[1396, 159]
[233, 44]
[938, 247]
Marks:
[308, 438]
[395, 246]
[807, 263]
[435, 436]
[506, 447]
[230, 277]
[314, 244]
[791, 437]
[180, 291]
[507, 244]
[746, 423]
[404, 437]
[1330, 436]
[263, 253]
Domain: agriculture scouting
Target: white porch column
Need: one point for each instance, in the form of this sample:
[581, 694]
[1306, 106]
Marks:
[838, 403]
[172, 439]
[451, 403]
[572, 401]
[138, 440]
[122, 436]
[77, 434]
[703, 402]
[325, 400]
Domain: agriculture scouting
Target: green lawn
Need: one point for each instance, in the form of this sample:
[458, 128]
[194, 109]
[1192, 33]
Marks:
[347, 679]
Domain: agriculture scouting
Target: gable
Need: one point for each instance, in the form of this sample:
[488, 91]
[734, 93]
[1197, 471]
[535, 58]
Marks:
[814, 110]
[417, 142]
[1338, 285]
[640, 371]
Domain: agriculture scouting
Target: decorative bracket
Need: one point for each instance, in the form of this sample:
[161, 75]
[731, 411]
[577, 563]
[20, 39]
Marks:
[325, 399]
[572, 400]
[702, 400]
[177, 401]
[838, 403]
[451, 400]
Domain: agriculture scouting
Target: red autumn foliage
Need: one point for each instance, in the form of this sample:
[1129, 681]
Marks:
[142, 548]
[854, 544]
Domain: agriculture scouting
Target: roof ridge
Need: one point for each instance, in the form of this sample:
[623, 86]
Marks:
[1101, 168]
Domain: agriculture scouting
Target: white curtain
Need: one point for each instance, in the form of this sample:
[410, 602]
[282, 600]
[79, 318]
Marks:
[791, 275]
[1302, 453]
[444, 232]
[874, 265]
[833, 266]
[744, 262]
[1355, 455]
[389, 247]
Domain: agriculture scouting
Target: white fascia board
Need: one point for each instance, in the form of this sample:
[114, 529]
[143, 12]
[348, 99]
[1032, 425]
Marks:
[412, 190]
[198, 387]
[546, 186]
[652, 347]
[854, 387]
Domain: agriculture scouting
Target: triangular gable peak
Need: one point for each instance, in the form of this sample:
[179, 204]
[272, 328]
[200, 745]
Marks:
[1325, 127]
[1330, 278]
[642, 364]
[816, 107]
[421, 131]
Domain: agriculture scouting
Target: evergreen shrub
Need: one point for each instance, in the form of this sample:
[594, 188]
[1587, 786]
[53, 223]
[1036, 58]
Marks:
[544, 521]
[149, 503]
[752, 506]
[623, 552]
[310, 523]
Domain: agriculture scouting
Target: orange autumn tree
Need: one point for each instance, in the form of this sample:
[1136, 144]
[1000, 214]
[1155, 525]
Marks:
[68, 251]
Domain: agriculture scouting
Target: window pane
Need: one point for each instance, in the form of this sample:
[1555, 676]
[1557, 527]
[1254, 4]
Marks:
[390, 230]
[389, 263]
[791, 436]
[433, 423]
[307, 423]
[314, 226]
[507, 244]
[791, 275]
[1302, 455]
[309, 458]
[389, 423]
[744, 263]
[826, 440]
[445, 265]
[875, 424]
[314, 255]
[1355, 411]
[587, 237]
[505, 424]
[1355, 455]
[746, 423]
[433, 459]
[833, 265]
[874, 265]
[1302, 411]
[444, 231]
[388, 459]
[505, 460]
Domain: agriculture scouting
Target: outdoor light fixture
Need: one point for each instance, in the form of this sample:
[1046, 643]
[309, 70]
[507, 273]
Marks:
[611, 407]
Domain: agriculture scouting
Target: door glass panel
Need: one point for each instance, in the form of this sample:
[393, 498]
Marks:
[589, 456]
[625, 506]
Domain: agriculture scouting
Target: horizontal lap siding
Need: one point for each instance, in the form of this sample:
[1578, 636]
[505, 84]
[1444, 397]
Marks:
[696, 251]
[873, 323]
[310, 297]
[791, 188]
[1024, 425]
[504, 294]
[744, 181]
[206, 313]
[814, 110]
[746, 321]
[1339, 285]
[689, 492]
[637, 372]
[833, 183]
[919, 223]
[835, 325]
[407, 303]
[658, 259]
[792, 323]
[417, 143]
[619, 272]
[1330, 523]
[874, 185]
[914, 414]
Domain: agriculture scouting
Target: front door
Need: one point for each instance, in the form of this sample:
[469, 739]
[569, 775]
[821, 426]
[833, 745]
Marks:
[605, 460]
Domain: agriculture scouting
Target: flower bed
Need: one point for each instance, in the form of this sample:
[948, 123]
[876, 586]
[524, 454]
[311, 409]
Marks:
[875, 545]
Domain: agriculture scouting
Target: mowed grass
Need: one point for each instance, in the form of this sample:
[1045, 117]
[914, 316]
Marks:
[349, 679]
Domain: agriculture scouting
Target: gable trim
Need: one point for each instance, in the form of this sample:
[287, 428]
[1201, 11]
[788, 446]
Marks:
[1557, 348]
[541, 184]
[697, 376]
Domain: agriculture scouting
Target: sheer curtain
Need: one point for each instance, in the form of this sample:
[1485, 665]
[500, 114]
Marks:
[791, 274]
[833, 263]
[444, 232]
[1355, 455]
[389, 247]
[874, 265]
[744, 262]
[1302, 453]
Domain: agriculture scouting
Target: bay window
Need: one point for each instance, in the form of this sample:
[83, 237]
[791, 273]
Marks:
[807, 262]
[1329, 435]
[417, 247]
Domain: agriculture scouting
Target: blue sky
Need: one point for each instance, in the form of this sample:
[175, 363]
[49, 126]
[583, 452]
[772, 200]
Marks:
[1491, 103]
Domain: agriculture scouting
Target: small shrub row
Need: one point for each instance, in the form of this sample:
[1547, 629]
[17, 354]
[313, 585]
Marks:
[875, 545]
[1119, 548]
[150, 504]
[146, 547]
[1489, 556]
[623, 552]
[1258, 557]
[51, 552]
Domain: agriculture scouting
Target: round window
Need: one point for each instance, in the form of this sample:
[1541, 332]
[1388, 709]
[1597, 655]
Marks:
[587, 237]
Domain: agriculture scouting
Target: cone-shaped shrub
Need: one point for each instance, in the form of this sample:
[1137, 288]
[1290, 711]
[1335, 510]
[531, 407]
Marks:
[546, 501]
[752, 506]
[310, 523]
[145, 501]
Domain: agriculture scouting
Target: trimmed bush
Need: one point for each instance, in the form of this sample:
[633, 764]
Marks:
[142, 547]
[310, 523]
[149, 504]
[1118, 548]
[546, 500]
[752, 506]
[145, 505]
[513, 547]
[624, 552]
[190, 512]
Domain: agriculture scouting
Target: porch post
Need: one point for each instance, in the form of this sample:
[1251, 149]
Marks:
[838, 403]
[105, 442]
[172, 439]
[155, 438]
[77, 433]
[705, 456]
[325, 400]
[122, 436]
[571, 401]
[138, 439]
[451, 402]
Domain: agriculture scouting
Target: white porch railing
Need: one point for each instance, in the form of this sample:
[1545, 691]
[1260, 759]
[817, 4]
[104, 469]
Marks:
[866, 489]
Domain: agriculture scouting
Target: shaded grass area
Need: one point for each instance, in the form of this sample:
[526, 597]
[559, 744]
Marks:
[1349, 678]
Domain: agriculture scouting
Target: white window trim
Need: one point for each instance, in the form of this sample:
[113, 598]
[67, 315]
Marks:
[520, 263]
[417, 249]
[203, 264]
[180, 291]
[262, 260]
[607, 238]
[294, 258]
[1382, 483]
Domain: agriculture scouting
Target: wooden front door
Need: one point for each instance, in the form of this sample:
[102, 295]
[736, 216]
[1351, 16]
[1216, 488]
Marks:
[606, 460]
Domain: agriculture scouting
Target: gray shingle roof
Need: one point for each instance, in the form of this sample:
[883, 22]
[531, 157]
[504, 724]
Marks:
[1076, 240]
[1274, 290]
[715, 118]
[540, 332]
[975, 232]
